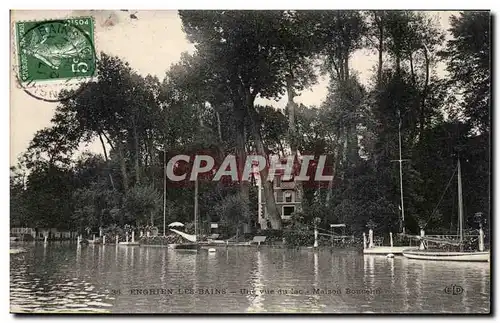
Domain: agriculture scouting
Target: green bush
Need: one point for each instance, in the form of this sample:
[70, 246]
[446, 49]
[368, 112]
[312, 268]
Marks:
[298, 238]
[160, 240]
[271, 235]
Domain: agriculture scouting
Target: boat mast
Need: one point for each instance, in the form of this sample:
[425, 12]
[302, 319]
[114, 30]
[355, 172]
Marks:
[196, 209]
[460, 204]
[401, 177]
[164, 188]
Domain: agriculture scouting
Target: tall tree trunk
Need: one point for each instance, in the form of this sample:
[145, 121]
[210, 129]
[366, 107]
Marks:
[272, 209]
[352, 136]
[239, 114]
[291, 109]
[292, 134]
[352, 145]
[137, 153]
[221, 149]
[107, 161]
[398, 64]
[241, 158]
[145, 149]
[123, 165]
[103, 147]
[412, 71]
[219, 130]
[424, 93]
[346, 66]
[152, 158]
[380, 23]
[282, 150]
[336, 163]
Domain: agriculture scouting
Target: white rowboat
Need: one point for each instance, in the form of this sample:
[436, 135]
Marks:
[470, 256]
[482, 256]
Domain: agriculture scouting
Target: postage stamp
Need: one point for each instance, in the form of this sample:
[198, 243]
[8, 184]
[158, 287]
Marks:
[54, 52]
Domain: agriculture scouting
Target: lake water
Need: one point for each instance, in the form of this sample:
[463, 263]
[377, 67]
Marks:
[60, 277]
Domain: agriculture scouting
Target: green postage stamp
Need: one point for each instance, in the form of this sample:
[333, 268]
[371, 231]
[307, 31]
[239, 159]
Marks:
[55, 49]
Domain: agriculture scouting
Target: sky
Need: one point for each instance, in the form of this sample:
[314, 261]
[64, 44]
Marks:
[151, 44]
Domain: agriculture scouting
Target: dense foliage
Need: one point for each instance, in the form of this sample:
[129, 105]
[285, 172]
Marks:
[209, 101]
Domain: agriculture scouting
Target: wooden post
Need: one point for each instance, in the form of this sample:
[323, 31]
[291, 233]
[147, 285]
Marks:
[196, 209]
[364, 240]
[422, 234]
[93, 237]
[100, 232]
[104, 240]
[370, 238]
[392, 243]
[116, 239]
[481, 239]
[45, 240]
[133, 236]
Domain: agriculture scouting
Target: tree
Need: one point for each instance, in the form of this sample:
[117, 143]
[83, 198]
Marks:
[141, 203]
[233, 211]
[19, 212]
[468, 55]
[246, 51]
[48, 190]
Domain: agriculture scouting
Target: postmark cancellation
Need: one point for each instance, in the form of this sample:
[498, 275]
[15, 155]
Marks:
[54, 58]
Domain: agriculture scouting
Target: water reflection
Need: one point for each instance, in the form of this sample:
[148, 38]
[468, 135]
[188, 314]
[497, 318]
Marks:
[194, 278]
[391, 265]
[256, 297]
[46, 291]
[314, 298]
[62, 277]
[369, 268]
[484, 280]
[116, 256]
[441, 274]
[418, 266]
[132, 250]
[163, 275]
[406, 293]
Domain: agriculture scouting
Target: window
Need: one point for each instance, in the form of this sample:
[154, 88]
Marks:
[278, 181]
[288, 197]
[279, 196]
[288, 210]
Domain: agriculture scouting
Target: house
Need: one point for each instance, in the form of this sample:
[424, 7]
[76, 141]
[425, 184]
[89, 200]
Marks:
[285, 195]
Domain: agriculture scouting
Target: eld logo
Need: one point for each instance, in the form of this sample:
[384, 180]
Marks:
[453, 290]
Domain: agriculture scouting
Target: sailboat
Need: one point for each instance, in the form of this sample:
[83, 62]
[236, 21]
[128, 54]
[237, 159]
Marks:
[193, 238]
[392, 250]
[470, 256]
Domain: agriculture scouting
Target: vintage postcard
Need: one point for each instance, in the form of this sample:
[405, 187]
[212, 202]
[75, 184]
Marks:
[225, 161]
